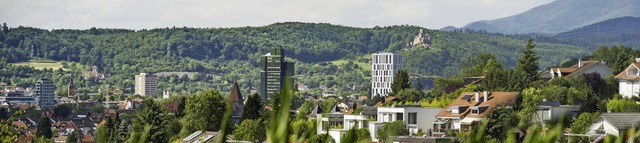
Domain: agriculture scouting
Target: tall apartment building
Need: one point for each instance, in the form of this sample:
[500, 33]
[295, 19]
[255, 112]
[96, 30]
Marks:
[44, 91]
[146, 85]
[383, 69]
[274, 71]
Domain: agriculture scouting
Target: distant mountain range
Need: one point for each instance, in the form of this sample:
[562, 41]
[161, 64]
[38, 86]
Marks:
[558, 16]
[612, 27]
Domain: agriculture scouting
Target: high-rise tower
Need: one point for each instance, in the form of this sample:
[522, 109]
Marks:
[383, 69]
[274, 72]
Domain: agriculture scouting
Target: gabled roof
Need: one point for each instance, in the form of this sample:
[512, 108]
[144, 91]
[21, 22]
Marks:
[622, 120]
[494, 99]
[576, 68]
[623, 74]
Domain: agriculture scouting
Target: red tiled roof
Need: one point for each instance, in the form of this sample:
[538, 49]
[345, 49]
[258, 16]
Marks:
[19, 124]
[172, 107]
[386, 100]
[494, 99]
[623, 74]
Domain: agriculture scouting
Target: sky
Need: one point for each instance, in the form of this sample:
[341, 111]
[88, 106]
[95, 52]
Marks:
[147, 14]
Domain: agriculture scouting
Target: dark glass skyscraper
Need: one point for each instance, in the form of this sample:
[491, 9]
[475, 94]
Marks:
[273, 72]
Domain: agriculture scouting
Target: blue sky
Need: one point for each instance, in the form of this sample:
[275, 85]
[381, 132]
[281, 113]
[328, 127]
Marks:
[139, 14]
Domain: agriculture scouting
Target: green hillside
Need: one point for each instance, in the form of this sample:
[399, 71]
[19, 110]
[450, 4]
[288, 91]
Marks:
[320, 51]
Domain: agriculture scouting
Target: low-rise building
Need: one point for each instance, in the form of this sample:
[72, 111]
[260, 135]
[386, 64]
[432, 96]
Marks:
[548, 111]
[629, 80]
[337, 124]
[17, 98]
[580, 68]
[614, 124]
[416, 118]
[468, 109]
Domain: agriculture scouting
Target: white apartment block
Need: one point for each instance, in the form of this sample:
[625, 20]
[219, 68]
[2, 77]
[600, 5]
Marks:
[146, 85]
[383, 69]
[45, 92]
[416, 118]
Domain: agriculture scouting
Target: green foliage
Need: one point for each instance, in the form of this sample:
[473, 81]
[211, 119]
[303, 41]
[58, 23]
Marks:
[75, 136]
[250, 130]
[409, 94]
[622, 105]
[481, 64]
[321, 138]
[63, 110]
[151, 116]
[527, 67]
[392, 129]
[252, 108]
[203, 112]
[530, 98]
[363, 135]
[400, 81]
[44, 128]
[278, 131]
[616, 57]
[500, 121]
[582, 123]
[8, 133]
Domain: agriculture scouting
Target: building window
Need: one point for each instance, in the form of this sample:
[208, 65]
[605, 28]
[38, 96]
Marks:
[413, 118]
[399, 116]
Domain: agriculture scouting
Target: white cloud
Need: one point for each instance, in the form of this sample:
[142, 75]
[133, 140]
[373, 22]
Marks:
[140, 14]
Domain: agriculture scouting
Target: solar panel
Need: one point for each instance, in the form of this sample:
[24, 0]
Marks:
[467, 97]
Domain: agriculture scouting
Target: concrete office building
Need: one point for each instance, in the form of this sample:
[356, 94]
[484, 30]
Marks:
[44, 91]
[273, 72]
[383, 69]
[146, 85]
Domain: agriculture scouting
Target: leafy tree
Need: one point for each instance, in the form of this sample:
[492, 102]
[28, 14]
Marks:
[250, 130]
[409, 94]
[363, 135]
[390, 129]
[203, 112]
[400, 81]
[582, 123]
[63, 110]
[109, 131]
[478, 66]
[527, 66]
[500, 121]
[44, 128]
[75, 136]
[8, 133]
[622, 105]
[151, 116]
[322, 138]
[252, 108]
[530, 98]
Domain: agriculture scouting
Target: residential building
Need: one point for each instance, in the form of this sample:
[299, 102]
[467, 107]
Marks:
[146, 85]
[416, 118]
[274, 72]
[17, 98]
[201, 137]
[548, 111]
[579, 69]
[383, 69]
[629, 80]
[470, 108]
[614, 124]
[45, 92]
[337, 124]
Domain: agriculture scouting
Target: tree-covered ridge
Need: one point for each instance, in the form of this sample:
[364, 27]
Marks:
[226, 55]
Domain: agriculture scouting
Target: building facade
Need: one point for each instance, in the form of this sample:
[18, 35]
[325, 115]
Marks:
[44, 91]
[629, 80]
[146, 85]
[17, 98]
[274, 71]
[383, 69]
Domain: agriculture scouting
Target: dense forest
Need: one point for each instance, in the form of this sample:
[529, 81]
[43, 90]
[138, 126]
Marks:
[222, 56]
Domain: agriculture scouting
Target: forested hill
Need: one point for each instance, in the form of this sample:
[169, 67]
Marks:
[121, 51]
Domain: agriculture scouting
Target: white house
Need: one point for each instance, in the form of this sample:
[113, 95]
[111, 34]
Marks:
[614, 123]
[470, 107]
[416, 118]
[553, 111]
[630, 80]
[337, 124]
[582, 67]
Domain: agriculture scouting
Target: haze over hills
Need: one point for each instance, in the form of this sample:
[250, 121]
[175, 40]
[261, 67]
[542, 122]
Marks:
[559, 16]
[618, 31]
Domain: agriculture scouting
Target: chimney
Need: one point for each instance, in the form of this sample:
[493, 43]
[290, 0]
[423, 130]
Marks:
[477, 96]
[637, 60]
[579, 63]
[486, 96]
